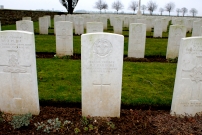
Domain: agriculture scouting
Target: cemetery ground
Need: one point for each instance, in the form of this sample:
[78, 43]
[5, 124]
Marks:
[147, 89]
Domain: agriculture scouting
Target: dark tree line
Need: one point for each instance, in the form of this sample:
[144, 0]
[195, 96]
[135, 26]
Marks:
[69, 5]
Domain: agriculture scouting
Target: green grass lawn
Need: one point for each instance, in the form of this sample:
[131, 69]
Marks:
[143, 83]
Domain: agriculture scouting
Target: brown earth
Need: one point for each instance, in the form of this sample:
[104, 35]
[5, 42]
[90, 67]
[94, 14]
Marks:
[132, 121]
[125, 58]
[140, 120]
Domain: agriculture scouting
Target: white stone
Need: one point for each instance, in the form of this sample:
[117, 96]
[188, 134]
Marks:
[102, 65]
[25, 25]
[137, 37]
[189, 25]
[176, 32]
[27, 18]
[58, 18]
[164, 24]
[79, 25]
[187, 95]
[49, 20]
[196, 28]
[149, 24]
[64, 38]
[141, 21]
[126, 22]
[118, 25]
[43, 25]
[18, 76]
[157, 28]
[94, 27]
[104, 21]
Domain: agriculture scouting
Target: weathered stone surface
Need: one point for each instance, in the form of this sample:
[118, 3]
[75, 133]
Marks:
[102, 64]
[187, 95]
[158, 28]
[137, 38]
[118, 25]
[64, 38]
[43, 25]
[94, 27]
[176, 32]
[25, 25]
[79, 25]
[18, 77]
[196, 28]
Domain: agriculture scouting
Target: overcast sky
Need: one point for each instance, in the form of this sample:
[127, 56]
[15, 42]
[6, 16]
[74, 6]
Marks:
[89, 4]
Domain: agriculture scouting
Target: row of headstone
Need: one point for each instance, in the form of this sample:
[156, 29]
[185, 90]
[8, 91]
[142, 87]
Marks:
[102, 60]
[25, 25]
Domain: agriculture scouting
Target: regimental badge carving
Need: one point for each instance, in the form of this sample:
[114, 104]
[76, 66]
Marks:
[13, 65]
[196, 74]
[102, 47]
[24, 26]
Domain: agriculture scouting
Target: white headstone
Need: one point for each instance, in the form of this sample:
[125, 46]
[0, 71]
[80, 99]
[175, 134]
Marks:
[49, 20]
[137, 37]
[196, 28]
[58, 18]
[43, 25]
[164, 24]
[189, 25]
[25, 25]
[102, 64]
[64, 38]
[18, 77]
[157, 28]
[27, 18]
[94, 27]
[79, 26]
[126, 22]
[176, 32]
[187, 95]
[118, 25]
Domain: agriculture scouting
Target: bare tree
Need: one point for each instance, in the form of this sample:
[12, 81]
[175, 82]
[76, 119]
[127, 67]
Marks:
[178, 11]
[143, 7]
[184, 10]
[69, 5]
[133, 5]
[161, 10]
[151, 6]
[117, 5]
[105, 6]
[169, 7]
[99, 5]
[193, 11]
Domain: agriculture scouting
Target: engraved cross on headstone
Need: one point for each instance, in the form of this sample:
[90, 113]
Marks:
[14, 68]
[195, 75]
[102, 86]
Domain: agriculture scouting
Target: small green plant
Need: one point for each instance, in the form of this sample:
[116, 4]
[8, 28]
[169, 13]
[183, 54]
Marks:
[77, 130]
[173, 60]
[85, 128]
[111, 125]
[84, 121]
[51, 125]
[21, 120]
[90, 127]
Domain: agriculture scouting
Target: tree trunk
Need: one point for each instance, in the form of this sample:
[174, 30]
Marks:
[70, 9]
